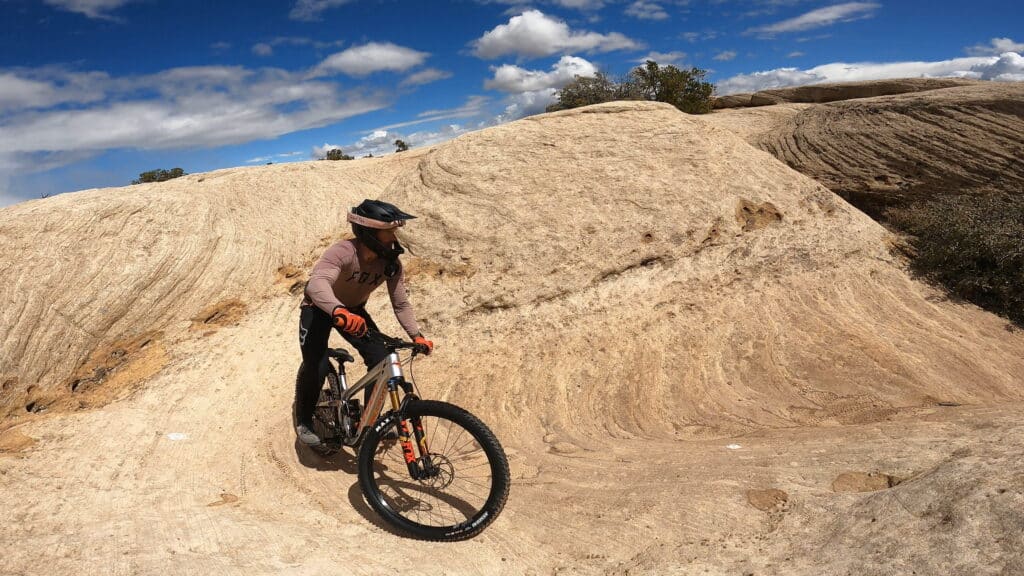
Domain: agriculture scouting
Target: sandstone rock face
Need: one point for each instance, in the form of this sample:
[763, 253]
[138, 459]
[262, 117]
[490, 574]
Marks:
[886, 151]
[98, 269]
[834, 92]
[731, 101]
[613, 289]
[620, 279]
[819, 93]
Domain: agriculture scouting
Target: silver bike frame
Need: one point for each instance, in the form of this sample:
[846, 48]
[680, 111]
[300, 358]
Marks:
[378, 376]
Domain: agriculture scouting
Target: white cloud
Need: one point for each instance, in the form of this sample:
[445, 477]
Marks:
[519, 5]
[694, 37]
[425, 76]
[646, 10]
[475, 105]
[776, 78]
[310, 10]
[8, 166]
[725, 56]
[44, 87]
[813, 38]
[509, 78]
[429, 138]
[580, 4]
[16, 164]
[90, 8]
[995, 47]
[516, 106]
[267, 48]
[371, 57]
[1007, 67]
[381, 141]
[17, 92]
[191, 107]
[663, 58]
[527, 104]
[795, 54]
[7, 198]
[320, 152]
[262, 159]
[534, 34]
[821, 17]
[218, 46]
[50, 116]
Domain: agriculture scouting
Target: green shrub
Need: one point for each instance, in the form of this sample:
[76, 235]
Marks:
[973, 245]
[685, 89]
[159, 175]
[337, 154]
[584, 91]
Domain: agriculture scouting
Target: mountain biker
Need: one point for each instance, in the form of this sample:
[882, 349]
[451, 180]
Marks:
[336, 294]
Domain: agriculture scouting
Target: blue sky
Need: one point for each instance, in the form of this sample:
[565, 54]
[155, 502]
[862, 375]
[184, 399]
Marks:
[93, 92]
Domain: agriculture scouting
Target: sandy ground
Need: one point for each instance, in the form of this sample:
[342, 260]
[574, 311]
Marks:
[698, 360]
[111, 492]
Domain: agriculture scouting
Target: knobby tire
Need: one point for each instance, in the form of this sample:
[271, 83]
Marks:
[389, 488]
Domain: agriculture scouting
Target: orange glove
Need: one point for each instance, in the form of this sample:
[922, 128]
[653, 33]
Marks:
[349, 323]
[419, 339]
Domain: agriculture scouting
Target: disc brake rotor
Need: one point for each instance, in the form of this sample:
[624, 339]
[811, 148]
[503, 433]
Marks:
[444, 472]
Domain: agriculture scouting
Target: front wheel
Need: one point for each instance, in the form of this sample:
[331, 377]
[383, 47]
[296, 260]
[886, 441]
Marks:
[458, 489]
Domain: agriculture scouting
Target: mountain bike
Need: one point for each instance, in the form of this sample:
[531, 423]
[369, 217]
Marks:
[429, 468]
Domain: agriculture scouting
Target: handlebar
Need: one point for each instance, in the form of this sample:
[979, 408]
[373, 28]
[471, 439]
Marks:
[392, 344]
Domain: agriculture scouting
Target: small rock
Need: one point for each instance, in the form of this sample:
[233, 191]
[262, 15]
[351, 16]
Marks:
[861, 482]
[767, 500]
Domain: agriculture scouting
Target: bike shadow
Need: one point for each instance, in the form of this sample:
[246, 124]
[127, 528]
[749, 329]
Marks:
[341, 460]
[355, 498]
[345, 461]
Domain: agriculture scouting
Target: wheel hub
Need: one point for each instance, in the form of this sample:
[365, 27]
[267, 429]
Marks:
[441, 474]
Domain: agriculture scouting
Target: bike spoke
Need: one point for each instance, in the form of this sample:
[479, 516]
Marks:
[457, 450]
[455, 488]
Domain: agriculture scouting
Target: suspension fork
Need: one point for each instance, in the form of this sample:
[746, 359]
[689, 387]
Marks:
[418, 433]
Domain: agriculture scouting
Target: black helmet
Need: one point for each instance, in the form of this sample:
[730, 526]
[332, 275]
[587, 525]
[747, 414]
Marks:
[372, 215]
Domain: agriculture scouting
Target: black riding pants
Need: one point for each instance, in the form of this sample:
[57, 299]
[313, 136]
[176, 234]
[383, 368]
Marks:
[314, 332]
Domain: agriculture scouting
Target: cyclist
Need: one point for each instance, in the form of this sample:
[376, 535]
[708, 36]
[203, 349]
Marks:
[336, 294]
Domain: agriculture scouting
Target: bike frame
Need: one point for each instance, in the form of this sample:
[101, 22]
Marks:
[387, 377]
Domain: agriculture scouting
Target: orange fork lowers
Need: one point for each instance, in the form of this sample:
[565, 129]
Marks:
[403, 437]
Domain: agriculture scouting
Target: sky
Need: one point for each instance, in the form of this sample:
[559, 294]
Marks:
[94, 92]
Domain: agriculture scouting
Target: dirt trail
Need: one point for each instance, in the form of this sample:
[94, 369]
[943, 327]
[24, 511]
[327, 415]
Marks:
[661, 326]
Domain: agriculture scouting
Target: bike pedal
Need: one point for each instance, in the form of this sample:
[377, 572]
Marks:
[324, 450]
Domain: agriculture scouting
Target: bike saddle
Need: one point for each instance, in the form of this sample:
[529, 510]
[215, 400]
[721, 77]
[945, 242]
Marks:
[340, 354]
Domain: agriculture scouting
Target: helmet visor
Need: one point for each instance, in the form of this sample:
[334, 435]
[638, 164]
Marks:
[371, 223]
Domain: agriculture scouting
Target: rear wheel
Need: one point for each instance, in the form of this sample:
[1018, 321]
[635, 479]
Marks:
[458, 494]
[325, 417]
